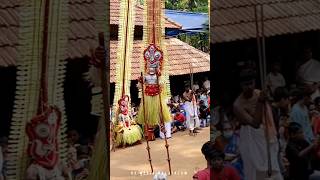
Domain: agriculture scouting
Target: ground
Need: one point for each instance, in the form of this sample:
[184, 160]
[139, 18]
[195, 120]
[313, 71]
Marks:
[185, 153]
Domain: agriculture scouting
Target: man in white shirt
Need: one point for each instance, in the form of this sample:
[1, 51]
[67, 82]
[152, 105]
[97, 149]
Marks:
[206, 83]
[309, 72]
[195, 86]
[275, 78]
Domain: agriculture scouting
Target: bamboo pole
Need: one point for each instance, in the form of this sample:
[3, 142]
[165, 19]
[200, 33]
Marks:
[258, 43]
[264, 120]
[262, 66]
[163, 129]
[192, 98]
[264, 63]
[147, 127]
[105, 84]
[43, 100]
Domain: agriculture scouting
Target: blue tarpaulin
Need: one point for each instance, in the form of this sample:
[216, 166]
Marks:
[191, 22]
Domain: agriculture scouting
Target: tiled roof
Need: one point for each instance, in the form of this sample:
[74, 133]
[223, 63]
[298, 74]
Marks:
[82, 33]
[235, 20]
[180, 56]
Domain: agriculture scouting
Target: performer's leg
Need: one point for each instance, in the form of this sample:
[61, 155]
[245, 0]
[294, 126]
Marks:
[150, 133]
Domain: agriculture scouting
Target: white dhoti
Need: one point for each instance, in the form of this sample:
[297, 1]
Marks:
[192, 122]
[253, 150]
[168, 130]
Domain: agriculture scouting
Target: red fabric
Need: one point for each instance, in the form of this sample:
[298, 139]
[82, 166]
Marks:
[152, 90]
[316, 125]
[228, 173]
[179, 117]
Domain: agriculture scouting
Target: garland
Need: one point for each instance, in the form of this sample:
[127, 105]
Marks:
[124, 54]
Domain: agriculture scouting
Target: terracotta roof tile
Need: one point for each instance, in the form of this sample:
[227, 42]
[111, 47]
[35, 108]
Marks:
[82, 33]
[180, 56]
[235, 20]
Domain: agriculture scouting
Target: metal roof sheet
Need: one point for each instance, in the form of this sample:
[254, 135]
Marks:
[235, 20]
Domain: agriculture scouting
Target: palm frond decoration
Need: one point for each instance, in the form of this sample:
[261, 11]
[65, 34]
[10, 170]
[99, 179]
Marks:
[124, 53]
[31, 20]
[99, 161]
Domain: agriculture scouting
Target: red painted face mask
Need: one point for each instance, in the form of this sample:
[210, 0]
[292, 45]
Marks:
[43, 134]
[123, 105]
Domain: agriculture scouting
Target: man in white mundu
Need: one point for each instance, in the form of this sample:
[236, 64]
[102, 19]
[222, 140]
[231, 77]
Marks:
[309, 71]
[252, 143]
[192, 118]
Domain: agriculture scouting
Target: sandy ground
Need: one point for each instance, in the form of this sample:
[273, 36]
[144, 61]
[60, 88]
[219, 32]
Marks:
[185, 153]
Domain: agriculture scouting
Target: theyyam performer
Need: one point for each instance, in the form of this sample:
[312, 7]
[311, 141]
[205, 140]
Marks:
[153, 108]
[127, 132]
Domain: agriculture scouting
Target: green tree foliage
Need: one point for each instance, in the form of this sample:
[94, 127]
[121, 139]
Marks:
[185, 5]
[188, 5]
[198, 40]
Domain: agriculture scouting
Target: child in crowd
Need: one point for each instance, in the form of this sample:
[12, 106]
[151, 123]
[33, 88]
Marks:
[299, 153]
[81, 168]
[216, 170]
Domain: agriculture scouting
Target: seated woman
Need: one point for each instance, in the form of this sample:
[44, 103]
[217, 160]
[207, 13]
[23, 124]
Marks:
[216, 170]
